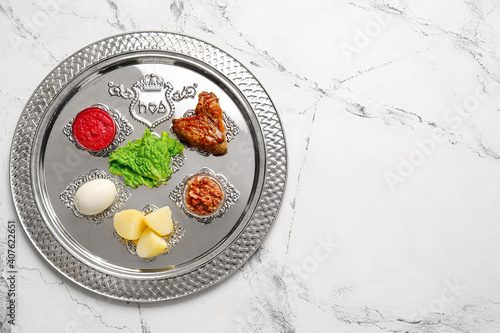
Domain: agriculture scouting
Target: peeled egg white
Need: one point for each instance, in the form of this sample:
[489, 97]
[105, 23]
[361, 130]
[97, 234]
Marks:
[95, 196]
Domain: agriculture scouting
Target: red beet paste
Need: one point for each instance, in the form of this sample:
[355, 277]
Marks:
[94, 129]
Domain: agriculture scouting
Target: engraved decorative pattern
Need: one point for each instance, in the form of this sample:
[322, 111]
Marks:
[221, 266]
[187, 92]
[68, 196]
[171, 239]
[231, 196]
[149, 82]
[177, 161]
[123, 130]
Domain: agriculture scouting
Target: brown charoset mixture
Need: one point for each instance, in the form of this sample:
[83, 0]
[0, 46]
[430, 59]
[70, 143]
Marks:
[203, 195]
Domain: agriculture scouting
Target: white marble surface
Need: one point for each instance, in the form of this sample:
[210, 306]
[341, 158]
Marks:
[391, 219]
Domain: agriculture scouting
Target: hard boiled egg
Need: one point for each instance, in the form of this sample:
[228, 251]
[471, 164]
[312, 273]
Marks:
[95, 196]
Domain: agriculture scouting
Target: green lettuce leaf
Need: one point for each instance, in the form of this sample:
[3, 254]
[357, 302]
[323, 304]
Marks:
[145, 161]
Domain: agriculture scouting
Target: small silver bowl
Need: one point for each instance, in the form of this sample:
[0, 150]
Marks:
[230, 195]
[185, 194]
[122, 130]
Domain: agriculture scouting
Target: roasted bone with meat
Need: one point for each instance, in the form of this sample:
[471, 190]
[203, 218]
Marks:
[206, 129]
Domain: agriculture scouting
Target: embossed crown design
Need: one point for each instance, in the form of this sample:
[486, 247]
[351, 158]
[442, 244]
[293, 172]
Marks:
[151, 82]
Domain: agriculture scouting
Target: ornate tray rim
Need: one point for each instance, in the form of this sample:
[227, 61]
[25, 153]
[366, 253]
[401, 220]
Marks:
[218, 268]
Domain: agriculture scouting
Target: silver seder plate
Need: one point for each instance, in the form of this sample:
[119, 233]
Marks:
[149, 78]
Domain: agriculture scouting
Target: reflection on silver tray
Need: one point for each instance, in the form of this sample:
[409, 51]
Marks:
[123, 129]
[232, 129]
[232, 195]
[68, 196]
[38, 143]
[171, 239]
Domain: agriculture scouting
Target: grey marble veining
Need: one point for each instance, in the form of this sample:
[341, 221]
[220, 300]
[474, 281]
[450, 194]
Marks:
[390, 221]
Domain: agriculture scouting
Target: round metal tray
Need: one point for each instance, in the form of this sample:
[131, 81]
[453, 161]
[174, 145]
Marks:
[162, 73]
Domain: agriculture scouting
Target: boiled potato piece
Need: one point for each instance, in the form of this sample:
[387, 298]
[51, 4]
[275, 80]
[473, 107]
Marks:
[129, 224]
[150, 244]
[160, 221]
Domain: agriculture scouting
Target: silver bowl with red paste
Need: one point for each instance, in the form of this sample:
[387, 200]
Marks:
[93, 129]
[98, 130]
